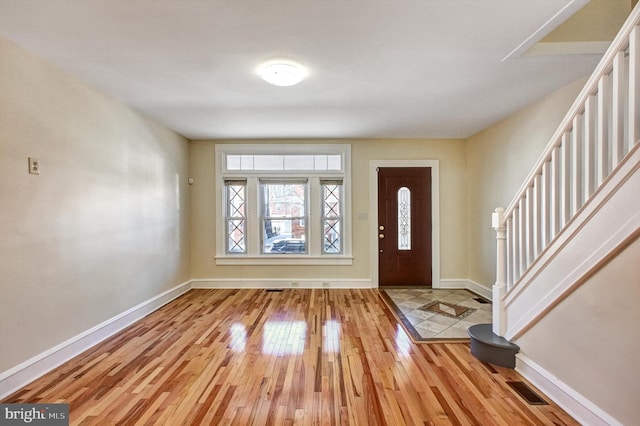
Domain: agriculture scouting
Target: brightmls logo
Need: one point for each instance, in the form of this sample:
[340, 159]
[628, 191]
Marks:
[35, 414]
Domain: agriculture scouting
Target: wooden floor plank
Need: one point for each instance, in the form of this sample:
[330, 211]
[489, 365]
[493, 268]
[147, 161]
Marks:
[296, 357]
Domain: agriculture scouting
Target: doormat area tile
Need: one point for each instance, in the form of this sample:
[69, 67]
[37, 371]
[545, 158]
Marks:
[447, 309]
[452, 312]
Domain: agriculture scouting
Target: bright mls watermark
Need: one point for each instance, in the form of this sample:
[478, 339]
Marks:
[34, 414]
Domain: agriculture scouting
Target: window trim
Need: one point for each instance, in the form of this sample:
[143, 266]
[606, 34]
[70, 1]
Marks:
[314, 254]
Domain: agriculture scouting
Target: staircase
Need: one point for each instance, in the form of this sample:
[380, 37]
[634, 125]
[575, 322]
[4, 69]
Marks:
[577, 208]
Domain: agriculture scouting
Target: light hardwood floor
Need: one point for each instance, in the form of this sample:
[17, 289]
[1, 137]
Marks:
[308, 357]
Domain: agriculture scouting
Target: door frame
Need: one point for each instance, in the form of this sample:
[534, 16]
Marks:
[435, 214]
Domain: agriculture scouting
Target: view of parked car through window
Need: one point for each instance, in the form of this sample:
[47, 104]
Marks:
[288, 245]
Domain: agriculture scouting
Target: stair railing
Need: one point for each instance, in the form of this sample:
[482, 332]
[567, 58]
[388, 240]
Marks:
[601, 127]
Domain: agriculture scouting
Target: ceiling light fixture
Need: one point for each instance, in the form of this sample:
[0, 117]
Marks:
[282, 73]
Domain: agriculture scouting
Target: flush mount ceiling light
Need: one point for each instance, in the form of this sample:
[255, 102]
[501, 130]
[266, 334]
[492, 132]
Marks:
[282, 73]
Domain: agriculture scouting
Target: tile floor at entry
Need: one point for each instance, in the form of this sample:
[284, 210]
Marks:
[438, 313]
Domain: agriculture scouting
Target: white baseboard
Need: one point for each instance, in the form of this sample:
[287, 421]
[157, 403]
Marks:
[29, 370]
[451, 283]
[486, 292]
[579, 407]
[467, 284]
[280, 283]
[239, 283]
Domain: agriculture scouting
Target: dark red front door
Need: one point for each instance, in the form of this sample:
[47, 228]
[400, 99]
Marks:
[404, 226]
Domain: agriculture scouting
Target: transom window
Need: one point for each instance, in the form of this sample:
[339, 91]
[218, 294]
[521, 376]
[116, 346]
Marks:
[283, 204]
[284, 162]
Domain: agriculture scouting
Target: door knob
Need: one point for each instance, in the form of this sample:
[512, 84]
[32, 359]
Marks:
[381, 228]
[381, 236]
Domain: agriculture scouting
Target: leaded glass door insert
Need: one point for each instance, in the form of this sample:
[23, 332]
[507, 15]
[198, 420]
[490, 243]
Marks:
[404, 218]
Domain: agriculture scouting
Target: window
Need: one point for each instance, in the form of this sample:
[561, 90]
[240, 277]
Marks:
[284, 162]
[332, 216]
[283, 217]
[283, 204]
[235, 218]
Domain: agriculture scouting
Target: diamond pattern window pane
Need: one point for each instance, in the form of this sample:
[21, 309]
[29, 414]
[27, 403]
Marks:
[331, 200]
[237, 232]
[332, 243]
[331, 217]
[236, 217]
[404, 219]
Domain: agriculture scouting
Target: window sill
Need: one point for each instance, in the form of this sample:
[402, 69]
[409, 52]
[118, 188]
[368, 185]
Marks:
[286, 259]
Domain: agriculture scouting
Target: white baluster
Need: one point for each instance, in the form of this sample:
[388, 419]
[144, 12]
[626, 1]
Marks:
[602, 137]
[510, 278]
[634, 88]
[523, 236]
[545, 216]
[515, 257]
[576, 163]
[589, 147]
[537, 215]
[565, 180]
[619, 95]
[529, 228]
[554, 200]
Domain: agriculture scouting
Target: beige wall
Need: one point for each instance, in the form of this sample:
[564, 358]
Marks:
[499, 159]
[590, 340]
[102, 228]
[453, 181]
[599, 20]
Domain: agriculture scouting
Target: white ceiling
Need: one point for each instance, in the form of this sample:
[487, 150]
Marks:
[378, 68]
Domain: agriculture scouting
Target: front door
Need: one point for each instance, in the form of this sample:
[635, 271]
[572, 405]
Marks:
[404, 226]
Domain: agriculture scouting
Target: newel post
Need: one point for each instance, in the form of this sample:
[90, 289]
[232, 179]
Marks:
[500, 287]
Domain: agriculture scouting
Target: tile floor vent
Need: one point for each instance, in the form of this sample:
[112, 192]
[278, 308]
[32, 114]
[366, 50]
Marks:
[481, 300]
[522, 389]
